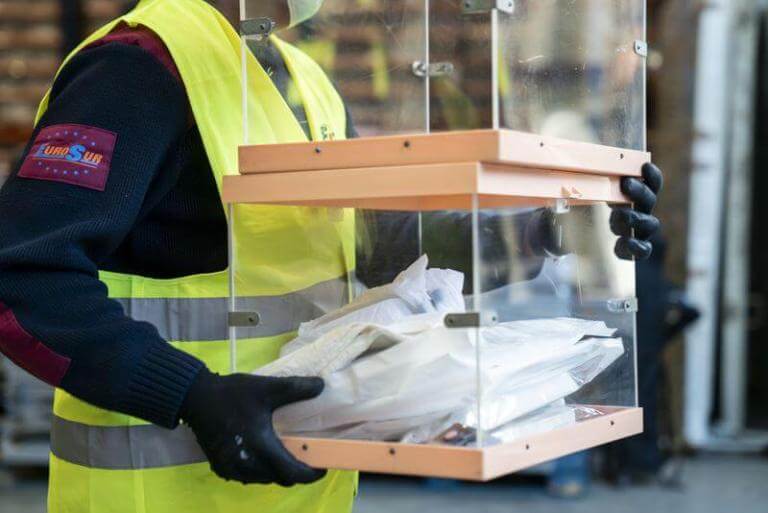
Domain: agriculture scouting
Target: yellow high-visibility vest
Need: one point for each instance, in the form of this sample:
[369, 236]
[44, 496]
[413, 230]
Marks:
[289, 260]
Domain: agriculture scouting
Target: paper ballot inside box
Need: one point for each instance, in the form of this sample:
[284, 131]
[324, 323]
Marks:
[394, 371]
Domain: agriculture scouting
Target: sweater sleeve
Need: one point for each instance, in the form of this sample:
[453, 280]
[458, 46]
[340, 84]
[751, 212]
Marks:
[89, 173]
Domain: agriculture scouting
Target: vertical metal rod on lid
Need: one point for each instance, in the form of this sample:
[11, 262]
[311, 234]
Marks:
[244, 85]
[244, 73]
[427, 78]
[495, 68]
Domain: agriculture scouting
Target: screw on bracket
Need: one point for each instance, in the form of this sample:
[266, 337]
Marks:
[260, 28]
[641, 48]
[622, 305]
[485, 6]
[436, 69]
[244, 319]
[470, 319]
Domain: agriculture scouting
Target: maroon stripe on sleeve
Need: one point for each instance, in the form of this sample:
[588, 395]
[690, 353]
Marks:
[29, 353]
[143, 38]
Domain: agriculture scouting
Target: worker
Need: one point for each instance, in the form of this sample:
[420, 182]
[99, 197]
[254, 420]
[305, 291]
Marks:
[113, 258]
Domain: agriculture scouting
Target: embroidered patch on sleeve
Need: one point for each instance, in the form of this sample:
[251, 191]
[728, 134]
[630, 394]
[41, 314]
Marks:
[74, 154]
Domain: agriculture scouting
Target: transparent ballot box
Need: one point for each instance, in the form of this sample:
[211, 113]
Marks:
[441, 256]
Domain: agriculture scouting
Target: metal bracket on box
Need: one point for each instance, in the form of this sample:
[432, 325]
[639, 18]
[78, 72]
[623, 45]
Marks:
[622, 305]
[470, 319]
[261, 28]
[436, 69]
[561, 206]
[641, 48]
[485, 6]
[243, 319]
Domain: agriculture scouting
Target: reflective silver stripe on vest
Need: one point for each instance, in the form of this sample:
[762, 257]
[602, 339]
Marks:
[123, 447]
[205, 319]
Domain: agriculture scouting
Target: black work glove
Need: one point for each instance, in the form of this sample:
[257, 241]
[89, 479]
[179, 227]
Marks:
[231, 417]
[624, 219]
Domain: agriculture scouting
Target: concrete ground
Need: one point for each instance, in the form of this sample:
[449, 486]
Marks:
[712, 484]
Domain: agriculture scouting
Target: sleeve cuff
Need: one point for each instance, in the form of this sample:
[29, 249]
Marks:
[160, 383]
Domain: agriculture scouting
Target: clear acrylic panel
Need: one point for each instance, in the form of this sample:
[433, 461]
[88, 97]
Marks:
[313, 248]
[372, 52]
[456, 327]
[566, 69]
[579, 285]
[572, 69]
[460, 47]
[556, 341]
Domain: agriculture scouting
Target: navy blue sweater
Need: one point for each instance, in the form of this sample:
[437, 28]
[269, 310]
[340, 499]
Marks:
[159, 215]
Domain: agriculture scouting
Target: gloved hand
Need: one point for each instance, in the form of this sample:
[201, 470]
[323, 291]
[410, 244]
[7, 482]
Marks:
[624, 219]
[231, 417]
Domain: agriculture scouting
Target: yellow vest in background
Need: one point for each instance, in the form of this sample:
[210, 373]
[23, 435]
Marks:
[290, 261]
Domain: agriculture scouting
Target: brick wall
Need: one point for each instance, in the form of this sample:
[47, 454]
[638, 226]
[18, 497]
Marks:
[31, 43]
